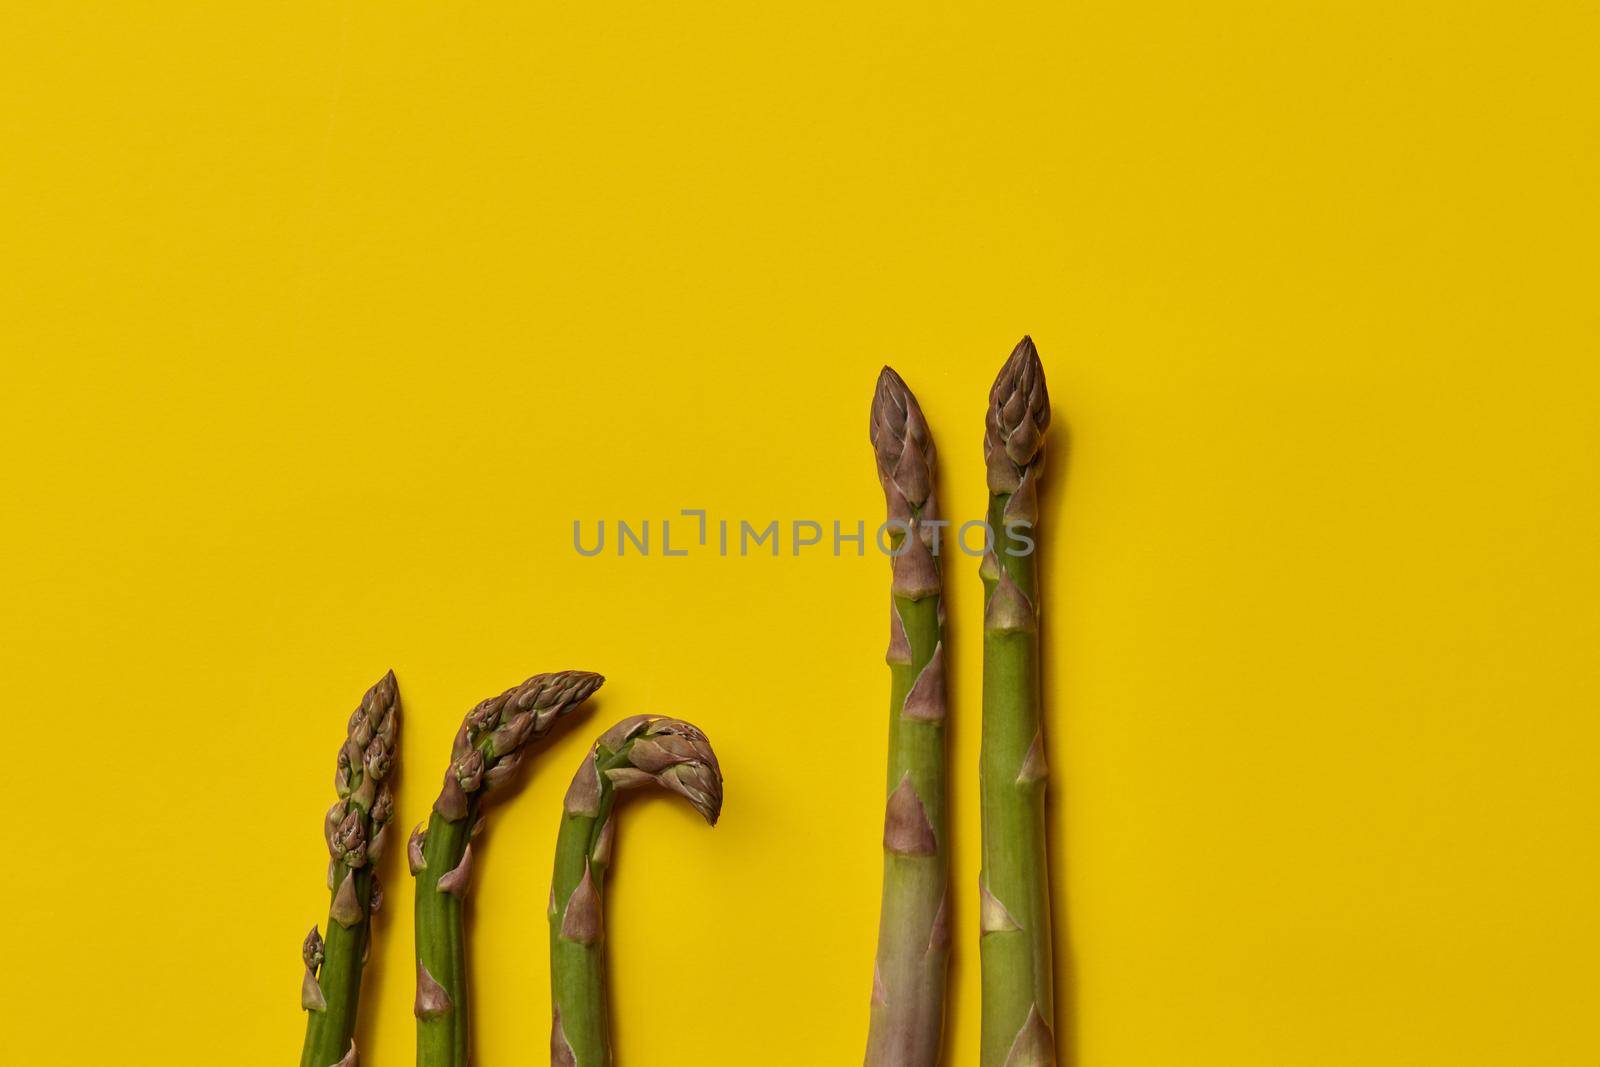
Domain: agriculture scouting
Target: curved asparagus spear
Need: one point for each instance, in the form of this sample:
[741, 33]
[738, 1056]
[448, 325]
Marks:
[1014, 892]
[356, 829]
[641, 750]
[492, 741]
[908, 980]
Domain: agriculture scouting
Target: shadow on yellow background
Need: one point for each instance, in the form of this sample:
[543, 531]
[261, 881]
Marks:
[324, 322]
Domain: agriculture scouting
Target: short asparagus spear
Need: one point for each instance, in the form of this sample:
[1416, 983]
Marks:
[356, 830]
[641, 750]
[1014, 894]
[908, 981]
[492, 741]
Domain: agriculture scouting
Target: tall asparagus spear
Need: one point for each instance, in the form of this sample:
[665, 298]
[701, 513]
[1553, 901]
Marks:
[492, 741]
[908, 981]
[1014, 892]
[356, 829]
[641, 750]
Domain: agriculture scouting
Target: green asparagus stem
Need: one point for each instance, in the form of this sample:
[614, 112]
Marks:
[1014, 891]
[492, 741]
[356, 830]
[641, 750]
[908, 979]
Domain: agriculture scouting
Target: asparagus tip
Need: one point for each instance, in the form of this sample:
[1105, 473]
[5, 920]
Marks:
[488, 746]
[673, 754]
[1019, 413]
[383, 694]
[902, 444]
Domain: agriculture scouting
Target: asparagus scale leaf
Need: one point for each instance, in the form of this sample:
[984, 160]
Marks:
[642, 750]
[906, 1025]
[493, 740]
[1018, 1017]
[357, 830]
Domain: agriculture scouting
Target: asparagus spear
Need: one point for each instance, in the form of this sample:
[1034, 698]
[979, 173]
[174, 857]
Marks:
[1014, 893]
[640, 750]
[356, 829]
[492, 741]
[908, 980]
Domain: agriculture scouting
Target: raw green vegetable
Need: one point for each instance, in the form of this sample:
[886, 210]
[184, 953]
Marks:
[1018, 1016]
[642, 750]
[492, 741]
[908, 978]
[356, 829]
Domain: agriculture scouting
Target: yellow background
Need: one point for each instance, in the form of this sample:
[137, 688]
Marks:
[322, 322]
